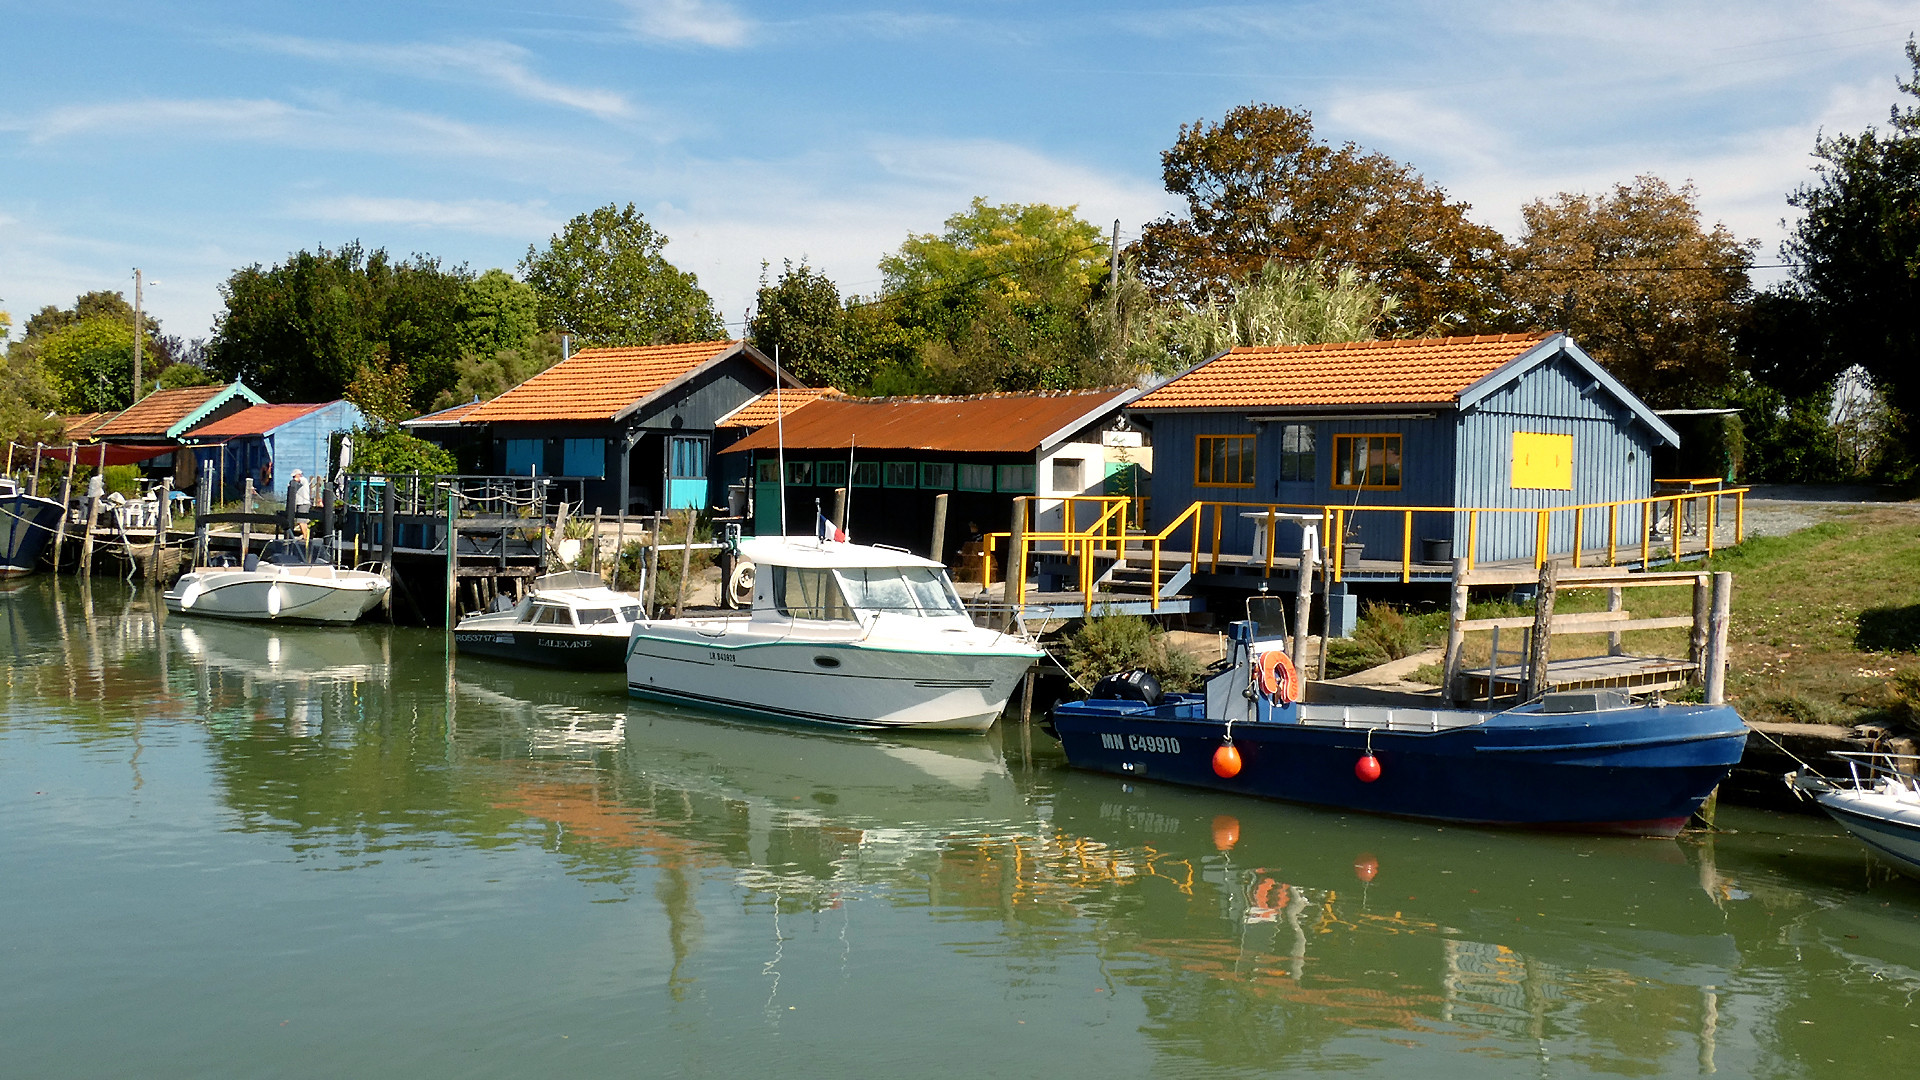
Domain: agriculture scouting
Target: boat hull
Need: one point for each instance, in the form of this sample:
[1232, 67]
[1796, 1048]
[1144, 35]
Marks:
[1891, 829]
[545, 647]
[342, 597]
[1641, 770]
[838, 684]
[27, 525]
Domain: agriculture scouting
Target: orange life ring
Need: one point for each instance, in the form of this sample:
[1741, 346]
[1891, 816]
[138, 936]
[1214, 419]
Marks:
[1279, 679]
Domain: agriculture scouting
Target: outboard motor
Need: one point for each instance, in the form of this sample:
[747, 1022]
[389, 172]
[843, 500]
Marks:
[1136, 685]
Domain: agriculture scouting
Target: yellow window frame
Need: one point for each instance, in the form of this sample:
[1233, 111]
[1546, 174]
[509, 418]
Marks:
[1224, 455]
[1391, 449]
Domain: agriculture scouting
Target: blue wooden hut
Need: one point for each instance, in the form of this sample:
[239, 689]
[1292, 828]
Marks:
[1498, 423]
[266, 443]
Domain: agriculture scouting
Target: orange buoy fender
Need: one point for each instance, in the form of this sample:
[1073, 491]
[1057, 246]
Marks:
[1226, 761]
[1279, 679]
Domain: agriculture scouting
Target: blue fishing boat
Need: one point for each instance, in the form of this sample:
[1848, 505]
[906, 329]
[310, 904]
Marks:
[1590, 760]
[27, 525]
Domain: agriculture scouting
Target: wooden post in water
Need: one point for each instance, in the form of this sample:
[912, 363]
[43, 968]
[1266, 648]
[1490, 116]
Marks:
[1716, 681]
[162, 501]
[1540, 650]
[86, 550]
[246, 527]
[66, 508]
[1026, 698]
[1016, 575]
[1302, 596]
[1616, 601]
[1456, 637]
[840, 506]
[619, 544]
[938, 551]
[686, 562]
[651, 588]
[1697, 637]
[595, 565]
[202, 506]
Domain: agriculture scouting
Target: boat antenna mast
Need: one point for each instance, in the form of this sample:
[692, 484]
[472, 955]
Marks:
[846, 504]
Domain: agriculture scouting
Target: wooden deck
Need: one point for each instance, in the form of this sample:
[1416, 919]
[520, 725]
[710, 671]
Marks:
[1634, 674]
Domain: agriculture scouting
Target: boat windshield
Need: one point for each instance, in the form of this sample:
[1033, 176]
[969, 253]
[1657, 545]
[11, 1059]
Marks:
[630, 613]
[922, 591]
[594, 616]
[809, 593]
[547, 615]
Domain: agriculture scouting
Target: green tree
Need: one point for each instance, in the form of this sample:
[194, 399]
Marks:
[301, 330]
[90, 364]
[497, 311]
[1259, 186]
[603, 280]
[1856, 255]
[1638, 281]
[485, 375]
[822, 340]
[26, 397]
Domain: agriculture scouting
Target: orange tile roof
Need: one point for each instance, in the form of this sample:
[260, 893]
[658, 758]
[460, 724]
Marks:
[82, 425]
[599, 384]
[253, 420]
[1422, 371]
[158, 412]
[447, 417]
[769, 407]
[984, 423]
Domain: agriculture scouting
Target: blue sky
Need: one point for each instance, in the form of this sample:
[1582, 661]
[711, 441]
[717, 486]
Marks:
[192, 138]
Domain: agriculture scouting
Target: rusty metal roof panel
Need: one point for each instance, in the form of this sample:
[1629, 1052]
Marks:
[983, 423]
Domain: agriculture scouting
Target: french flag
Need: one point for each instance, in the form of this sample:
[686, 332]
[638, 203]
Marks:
[825, 529]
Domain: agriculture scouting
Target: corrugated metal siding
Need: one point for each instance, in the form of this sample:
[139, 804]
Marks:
[1611, 460]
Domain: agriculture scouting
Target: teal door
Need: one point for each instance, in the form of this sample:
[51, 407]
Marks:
[687, 472]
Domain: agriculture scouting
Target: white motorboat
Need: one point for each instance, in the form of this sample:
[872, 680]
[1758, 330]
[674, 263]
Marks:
[569, 620]
[840, 634]
[1878, 802]
[289, 581]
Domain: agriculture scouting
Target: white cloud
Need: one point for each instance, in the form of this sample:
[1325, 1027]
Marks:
[232, 118]
[489, 217]
[483, 63]
[697, 22]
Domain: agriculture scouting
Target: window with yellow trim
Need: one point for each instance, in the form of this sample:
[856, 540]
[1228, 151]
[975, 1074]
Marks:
[1366, 461]
[1223, 461]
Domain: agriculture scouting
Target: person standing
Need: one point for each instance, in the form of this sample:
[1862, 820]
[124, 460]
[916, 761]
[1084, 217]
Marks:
[299, 501]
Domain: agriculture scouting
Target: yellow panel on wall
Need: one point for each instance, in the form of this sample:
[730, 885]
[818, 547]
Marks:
[1542, 461]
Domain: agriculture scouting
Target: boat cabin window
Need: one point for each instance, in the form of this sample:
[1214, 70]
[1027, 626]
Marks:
[630, 613]
[595, 616]
[548, 615]
[907, 590]
[809, 593]
[1269, 617]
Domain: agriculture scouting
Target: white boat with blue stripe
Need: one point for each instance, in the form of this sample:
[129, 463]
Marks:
[848, 635]
[1878, 802]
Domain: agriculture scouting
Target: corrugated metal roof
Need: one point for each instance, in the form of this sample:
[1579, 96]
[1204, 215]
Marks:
[158, 412]
[769, 407]
[1421, 371]
[599, 384]
[253, 420]
[985, 423]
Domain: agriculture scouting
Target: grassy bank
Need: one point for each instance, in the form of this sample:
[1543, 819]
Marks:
[1826, 621]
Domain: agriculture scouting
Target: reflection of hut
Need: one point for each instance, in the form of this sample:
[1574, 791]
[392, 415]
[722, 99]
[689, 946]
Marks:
[266, 443]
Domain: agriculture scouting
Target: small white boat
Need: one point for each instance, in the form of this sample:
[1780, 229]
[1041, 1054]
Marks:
[1878, 802]
[569, 620]
[289, 581]
[840, 634]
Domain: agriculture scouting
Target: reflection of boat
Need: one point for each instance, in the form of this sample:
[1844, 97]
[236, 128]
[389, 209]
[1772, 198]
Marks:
[1586, 761]
[283, 651]
[27, 524]
[1878, 803]
[290, 582]
[569, 620]
[840, 634]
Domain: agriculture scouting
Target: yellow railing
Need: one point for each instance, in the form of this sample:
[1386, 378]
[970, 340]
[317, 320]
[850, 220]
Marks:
[1205, 523]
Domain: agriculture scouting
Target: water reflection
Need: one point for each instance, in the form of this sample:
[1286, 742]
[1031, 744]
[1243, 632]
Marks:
[1192, 930]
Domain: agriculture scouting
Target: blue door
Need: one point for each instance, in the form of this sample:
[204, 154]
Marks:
[687, 472]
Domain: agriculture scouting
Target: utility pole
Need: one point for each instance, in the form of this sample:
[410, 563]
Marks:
[137, 333]
[1113, 260]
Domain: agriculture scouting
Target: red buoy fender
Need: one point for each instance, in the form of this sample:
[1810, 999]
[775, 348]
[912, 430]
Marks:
[1367, 769]
[1226, 762]
[1279, 679]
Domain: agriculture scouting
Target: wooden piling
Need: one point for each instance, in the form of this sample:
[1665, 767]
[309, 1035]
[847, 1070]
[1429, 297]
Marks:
[1302, 603]
[1456, 634]
[86, 551]
[66, 510]
[686, 563]
[650, 585]
[1716, 675]
[1026, 698]
[162, 500]
[1540, 648]
[619, 544]
[453, 559]
[595, 564]
[1697, 637]
[840, 506]
[246, 527]
[1616, 601]
[202, 506]
[938, 549]
[1016, 575]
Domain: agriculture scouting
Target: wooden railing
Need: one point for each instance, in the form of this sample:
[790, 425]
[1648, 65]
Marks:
[1205, 522]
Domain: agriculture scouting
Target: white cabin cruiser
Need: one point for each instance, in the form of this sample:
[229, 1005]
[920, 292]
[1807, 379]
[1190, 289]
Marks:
[289, 581]
[569, 620]
[1879, 803]
[841, 634]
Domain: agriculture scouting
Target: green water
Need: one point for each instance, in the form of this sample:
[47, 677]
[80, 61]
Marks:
[229, 850]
